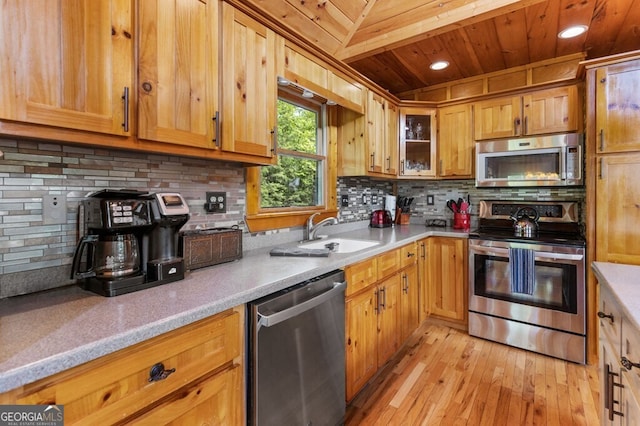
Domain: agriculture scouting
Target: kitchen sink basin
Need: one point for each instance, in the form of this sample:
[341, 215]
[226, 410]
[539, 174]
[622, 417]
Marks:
[340, 245]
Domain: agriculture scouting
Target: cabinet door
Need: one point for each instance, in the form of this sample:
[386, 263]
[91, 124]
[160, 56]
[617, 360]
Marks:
[617, 112]
[455, 142]
[376, 132]
[629, 404]
[361, 340]
[617, 213]
[249, 89]
[177, 71]
[423, 280]
[497, 118]
[551, 111]
[417, 142]
[409, 302]
[389, 320]
[448, 278]
[68, 64]
[391, 139]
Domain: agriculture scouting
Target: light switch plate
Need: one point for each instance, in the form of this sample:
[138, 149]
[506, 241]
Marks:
[430, 201]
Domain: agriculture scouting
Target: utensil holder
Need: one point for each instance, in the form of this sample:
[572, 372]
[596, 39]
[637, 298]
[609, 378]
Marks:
[461, 221]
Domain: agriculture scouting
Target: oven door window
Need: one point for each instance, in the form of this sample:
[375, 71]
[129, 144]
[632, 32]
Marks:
[554, 286]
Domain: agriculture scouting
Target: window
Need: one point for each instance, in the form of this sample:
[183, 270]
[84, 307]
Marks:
[303, 180]
[297, 179]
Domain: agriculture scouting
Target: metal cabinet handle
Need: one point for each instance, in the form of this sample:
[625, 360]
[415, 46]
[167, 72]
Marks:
[216, 127]
[274, 139]
[601, 139]
[402, 167]
[424, 250]
[158, 372]
[383, 298]
[608, 397]
[388, 163]
[405, 287]
[626, 363]
[602, 315]
[125, 99]
[409, 254]
[516, 124]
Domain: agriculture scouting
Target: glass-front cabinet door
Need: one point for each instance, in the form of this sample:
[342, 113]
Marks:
[417, 142]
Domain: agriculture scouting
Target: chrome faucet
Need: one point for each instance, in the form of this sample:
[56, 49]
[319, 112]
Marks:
[310, 229]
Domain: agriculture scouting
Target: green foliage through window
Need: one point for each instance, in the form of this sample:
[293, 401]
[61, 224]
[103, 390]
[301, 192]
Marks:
[296, 181]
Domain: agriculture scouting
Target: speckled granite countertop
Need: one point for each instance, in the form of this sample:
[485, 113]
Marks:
[623, 280]
[45, 333]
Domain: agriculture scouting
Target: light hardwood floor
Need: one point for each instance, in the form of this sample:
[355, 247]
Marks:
[444, 376]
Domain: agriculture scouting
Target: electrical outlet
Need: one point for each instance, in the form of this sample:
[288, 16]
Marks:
[344, 201]
[430, 201]
[216, 202]
[54, 209]
[374, 199]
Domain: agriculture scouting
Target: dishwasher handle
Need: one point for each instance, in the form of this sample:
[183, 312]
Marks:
[278, 317]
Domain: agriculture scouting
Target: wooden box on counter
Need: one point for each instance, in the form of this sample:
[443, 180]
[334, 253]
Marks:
[207, 247]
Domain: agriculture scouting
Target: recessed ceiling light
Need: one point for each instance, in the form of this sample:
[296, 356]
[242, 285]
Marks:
[307, 93]
[283, 81]
[573, 31]
[439, 65]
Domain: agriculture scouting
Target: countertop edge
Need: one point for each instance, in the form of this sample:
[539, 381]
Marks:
[621, 279]
[46, 366]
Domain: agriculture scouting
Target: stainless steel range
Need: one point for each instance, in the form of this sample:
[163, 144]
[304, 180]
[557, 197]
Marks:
[528, 289]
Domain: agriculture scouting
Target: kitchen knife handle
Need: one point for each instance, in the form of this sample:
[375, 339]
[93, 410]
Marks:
[125, 99]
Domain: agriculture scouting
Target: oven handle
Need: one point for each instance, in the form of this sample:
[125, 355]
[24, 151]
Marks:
[500, 252]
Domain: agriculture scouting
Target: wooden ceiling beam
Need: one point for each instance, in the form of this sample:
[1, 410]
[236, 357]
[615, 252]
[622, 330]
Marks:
[392, 33]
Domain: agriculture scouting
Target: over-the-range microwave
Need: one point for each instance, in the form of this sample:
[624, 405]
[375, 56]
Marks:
[555, 160]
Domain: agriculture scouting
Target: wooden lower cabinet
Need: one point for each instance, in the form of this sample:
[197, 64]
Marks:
[446, 278]
[207, 386]
[619, 340]
[379, 313]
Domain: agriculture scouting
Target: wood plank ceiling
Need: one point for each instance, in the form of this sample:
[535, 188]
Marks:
[393, 42]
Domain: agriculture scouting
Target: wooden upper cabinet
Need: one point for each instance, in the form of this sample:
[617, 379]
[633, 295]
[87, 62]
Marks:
[551, 111]
[417, 134]
[497, 118]
[177, 71]
[617, 212]
[455, 142]
[376, 133]
[250, 54]
[391, 144]
[544, 111]
[68, 64]
[618, 107]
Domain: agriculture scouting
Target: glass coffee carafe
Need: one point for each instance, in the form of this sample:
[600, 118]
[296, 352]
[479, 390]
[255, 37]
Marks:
[108, 256]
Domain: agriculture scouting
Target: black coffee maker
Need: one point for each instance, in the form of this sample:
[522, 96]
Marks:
[128, 241]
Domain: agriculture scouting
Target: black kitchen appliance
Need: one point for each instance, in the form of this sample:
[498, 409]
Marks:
[129, 241]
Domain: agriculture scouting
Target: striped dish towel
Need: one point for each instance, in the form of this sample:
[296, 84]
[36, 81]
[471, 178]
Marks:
[522, 273]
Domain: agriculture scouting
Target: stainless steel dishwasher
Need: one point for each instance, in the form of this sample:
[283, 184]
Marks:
[297, 354]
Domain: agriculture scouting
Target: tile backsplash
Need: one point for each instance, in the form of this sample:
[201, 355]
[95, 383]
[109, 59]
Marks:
[35, 256]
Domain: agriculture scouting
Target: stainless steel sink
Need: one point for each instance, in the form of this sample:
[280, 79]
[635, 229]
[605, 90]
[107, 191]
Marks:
[340, 245]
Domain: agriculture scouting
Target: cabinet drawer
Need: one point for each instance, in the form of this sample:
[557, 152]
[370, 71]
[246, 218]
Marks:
[408, 255]
[388, 263]
[610, 327]
[360, 275]
[117, 386]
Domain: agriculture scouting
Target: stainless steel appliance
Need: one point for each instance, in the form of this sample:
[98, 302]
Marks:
[555, 160]
[128, 241]
[528, 291]
[297, 354]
